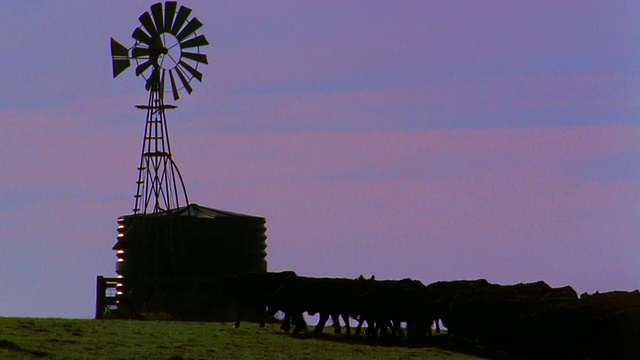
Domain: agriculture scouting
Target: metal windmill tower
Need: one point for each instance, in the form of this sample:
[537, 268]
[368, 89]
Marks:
[166, 48]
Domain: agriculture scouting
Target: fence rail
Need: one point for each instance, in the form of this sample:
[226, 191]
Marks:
[106, 288]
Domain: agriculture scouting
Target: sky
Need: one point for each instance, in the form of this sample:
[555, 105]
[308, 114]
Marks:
[434, 140]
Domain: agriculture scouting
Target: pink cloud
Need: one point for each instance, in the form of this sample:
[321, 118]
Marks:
[541, 100]
[340, 154]
[405, 141]
[514, 201]
[507, 204]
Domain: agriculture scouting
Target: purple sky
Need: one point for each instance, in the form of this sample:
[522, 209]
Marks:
[434, 140]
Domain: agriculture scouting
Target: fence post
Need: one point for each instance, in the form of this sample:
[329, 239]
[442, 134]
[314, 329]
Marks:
[100, 296]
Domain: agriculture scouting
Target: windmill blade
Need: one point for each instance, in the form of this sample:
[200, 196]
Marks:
[138, 52]
[144, 66]
[156, 11]
[174, 89]
[141, 36]
[201, 58]
[199, 40]
[195, 73]
[191, 27]
[119, 57]
[184, 80]
[147, 22]
[169, 13]
[181, 17]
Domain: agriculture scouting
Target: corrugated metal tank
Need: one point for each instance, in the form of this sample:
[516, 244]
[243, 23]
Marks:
[173, 253]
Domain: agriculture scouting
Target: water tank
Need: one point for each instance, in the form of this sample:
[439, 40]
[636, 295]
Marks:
[181, 254]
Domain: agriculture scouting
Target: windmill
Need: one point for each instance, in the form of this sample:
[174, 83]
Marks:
[166, 48]
[171, 253]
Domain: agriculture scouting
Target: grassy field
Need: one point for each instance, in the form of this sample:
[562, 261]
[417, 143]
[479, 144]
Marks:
[29, 338]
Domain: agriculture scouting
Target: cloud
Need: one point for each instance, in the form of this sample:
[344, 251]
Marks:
[540, 101]
[415, 140]
[510, 204]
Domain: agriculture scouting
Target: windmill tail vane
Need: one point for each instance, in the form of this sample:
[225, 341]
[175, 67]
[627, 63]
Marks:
[166, 53]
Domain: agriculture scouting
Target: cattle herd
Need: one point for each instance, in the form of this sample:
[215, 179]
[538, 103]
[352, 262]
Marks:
[528, 320]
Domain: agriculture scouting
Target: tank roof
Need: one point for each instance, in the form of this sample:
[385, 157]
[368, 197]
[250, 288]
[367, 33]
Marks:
[199, 211]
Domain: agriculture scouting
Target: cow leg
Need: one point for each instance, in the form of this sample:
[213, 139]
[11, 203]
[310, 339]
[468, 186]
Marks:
[398, 331]
[299, 323]
[380, 328]
[419, 328]
[295, 323]
[347, 326]
[262, 313]
[429, 331]
[286, 322]
[385, 328]
[239, 314]
[359, 326]
[413, 329]
[321, 322]
[372, 328]
[394, 329]
[394, 326]
[336, 323]
[269, 313]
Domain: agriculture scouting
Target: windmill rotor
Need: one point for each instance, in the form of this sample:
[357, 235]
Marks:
[166, 53]
[167, 47]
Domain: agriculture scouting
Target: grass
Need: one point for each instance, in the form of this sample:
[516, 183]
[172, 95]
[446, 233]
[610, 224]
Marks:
[31, 338]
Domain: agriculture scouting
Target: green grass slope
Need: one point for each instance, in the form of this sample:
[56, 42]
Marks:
[30, 338]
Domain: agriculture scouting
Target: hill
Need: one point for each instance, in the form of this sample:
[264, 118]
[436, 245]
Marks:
[28, 338]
